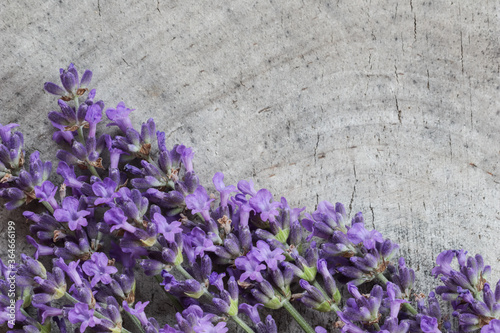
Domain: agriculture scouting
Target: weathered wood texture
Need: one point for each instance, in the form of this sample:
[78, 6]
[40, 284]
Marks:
[390, 107]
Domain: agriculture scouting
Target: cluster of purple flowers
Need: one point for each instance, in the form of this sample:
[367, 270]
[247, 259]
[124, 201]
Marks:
[129, 203]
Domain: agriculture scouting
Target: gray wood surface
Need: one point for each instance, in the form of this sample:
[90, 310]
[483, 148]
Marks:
[390, 107]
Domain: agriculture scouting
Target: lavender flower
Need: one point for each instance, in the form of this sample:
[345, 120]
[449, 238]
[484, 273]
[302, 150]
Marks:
[99, 268]
[314, 298]
[81, 314]
[120, 117]
[193, 319]
[104, 190]
[11, 150]
[169, 230]
[326, 220]
[71, 213]
[245, 246]
[403, 276]
[227, 303]
[251, 266]
[47, 193]
[358, 234]
[472, 275]
[40, 249]
[492, 327]
[262, 203]
[360, 308]
[72, 86]
[224, 190]
[199, 202]
[50, 288]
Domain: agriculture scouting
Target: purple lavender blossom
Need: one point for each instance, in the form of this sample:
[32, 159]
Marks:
[105, 191]
[320, 329]
[363, 309]
[263, 292]
[395, 303]
[70, 270]
[69, 79]
[429, 325]
[262, 203]
[224, 190]
[5, 132]
[169, 230]
[99, 268]
[50, 288]
[68, 174]
[68, 119]
[472, 275]
[48, 312]
[358, 234]
[199, 202]
[244, 213]
[47, 193]
[193, 319]
[117, 220]
[247, 187]
[93, 117]
[313, 297]
[15, 197]
[492, 327]
[11, 149]
[71, 213]
[263, 252]
[251, 266]
[81, 314]
[42, 250]
[137, 311]
[120, 117]
[325, 220]
[196, 243]
[252, 311]
[187, 155]
[403, 276]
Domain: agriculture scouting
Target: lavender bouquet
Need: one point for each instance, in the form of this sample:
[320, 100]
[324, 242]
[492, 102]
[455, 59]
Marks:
[129, 206]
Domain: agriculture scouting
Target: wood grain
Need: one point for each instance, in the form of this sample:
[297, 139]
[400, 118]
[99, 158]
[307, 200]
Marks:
[390, 107]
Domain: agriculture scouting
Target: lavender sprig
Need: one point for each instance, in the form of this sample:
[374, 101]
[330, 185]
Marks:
[216, 255]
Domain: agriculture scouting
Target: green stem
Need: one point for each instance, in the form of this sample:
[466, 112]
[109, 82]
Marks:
[26, 314]
[410, 308]
[71, 298]
[298, 317]
[48, 206]
[242, 324]
[184, 272]
[382, 279]
[377, 327]
[93, 170]
[80, 135]
[77, 103]
[335, 307]
[317, 285]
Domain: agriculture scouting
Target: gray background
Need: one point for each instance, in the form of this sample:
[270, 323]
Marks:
[390, 107]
